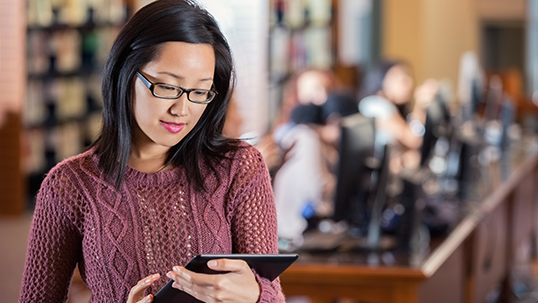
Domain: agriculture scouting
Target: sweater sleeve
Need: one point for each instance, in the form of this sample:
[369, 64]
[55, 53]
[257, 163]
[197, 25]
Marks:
[254, 224]
[54, 246]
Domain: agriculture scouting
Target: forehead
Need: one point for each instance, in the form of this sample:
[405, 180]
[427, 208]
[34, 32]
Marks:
[187, 59]
[399, 70]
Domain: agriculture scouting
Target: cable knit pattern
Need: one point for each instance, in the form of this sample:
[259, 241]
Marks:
[155, 221]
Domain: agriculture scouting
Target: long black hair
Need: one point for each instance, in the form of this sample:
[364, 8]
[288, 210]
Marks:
[373, 81]
[140, 42]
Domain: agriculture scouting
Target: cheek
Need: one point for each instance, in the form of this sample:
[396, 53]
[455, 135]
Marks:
[147, 114]
[140, 107]
[197, 112]
[141, 112]
[402, 89]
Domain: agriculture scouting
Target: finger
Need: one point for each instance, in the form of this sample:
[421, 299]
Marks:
[192, 280]
[182, 277]
[220, 287]
[137, 292]
[228, 265]
[197, 285]
[183, 274]
[146, 299]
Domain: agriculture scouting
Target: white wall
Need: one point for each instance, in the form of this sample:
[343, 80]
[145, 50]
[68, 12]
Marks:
[12, 57]
[246, 26]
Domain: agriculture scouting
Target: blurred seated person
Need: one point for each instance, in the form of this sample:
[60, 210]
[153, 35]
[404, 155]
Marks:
[339, 104]
[304, 185]
[308, 86]
[386, 96]
[304, 177]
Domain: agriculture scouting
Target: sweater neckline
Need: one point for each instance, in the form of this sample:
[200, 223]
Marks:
[135, 176]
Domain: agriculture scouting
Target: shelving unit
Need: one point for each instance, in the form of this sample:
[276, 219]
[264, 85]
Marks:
[301, 37]
[67, 45]
[12, 80]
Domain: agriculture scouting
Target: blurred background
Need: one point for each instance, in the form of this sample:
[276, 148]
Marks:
[52, 53]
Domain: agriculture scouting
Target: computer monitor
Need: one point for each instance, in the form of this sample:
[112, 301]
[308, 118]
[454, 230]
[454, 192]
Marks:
[437, 124]
[379, 199]
[412, 200]
[508, 115]
[470, 85]
[354, 171]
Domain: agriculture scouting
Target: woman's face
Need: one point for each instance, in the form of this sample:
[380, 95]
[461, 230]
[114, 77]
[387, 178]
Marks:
[398, 84]
[162, 123]
[312, 87]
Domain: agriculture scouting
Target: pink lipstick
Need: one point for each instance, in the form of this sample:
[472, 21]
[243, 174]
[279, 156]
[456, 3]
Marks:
[173, 127]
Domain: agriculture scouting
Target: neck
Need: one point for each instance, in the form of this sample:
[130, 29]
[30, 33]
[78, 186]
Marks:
[148, 162]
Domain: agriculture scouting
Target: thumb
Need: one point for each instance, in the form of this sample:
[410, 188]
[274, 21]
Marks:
[227, 265]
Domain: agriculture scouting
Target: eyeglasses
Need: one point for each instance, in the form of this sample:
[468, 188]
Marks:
[168, 91]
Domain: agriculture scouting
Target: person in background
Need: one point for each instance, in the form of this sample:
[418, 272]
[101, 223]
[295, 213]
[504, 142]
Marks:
[339, 104]
[161, 184]
[304, 176]
[389, 95]
[386, 95]
[304, 185]
[308, 86]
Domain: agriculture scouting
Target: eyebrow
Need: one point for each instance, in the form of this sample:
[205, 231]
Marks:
[180, 78]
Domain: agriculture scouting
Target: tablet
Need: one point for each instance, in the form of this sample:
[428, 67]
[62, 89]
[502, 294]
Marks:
[267, 266]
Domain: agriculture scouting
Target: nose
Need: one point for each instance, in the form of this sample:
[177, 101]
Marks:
[180, 107]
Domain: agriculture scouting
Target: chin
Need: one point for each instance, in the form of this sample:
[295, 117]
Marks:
[171, 144]
[167, 142]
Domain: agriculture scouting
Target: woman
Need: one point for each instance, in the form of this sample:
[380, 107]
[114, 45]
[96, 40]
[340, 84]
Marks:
[387, 90]
[386, 96]
[161, 184]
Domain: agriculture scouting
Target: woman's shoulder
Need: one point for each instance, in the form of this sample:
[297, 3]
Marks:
[243, 151]
[84, 163]
[65, 187]
[242, 158]
[245, 165]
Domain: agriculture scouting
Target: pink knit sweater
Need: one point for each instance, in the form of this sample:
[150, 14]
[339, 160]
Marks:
[155, 221]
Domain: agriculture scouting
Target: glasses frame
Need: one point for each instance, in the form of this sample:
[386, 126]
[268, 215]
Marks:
[151, 86]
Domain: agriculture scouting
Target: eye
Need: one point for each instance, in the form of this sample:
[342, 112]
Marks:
[167, 87]
[200, 93]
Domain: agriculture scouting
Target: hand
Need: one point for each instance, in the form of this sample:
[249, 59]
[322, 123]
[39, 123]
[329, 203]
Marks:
[136, 295]
[237, 285]
[270, 151]
[425, 94]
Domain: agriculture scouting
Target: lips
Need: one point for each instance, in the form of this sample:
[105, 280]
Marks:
[173, 127]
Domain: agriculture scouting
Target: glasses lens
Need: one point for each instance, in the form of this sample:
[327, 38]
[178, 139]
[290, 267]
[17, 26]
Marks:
[200, 95]
[167, 91]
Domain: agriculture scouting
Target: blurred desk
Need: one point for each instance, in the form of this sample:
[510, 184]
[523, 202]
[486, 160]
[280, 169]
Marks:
[325, 283]
[472, 262]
